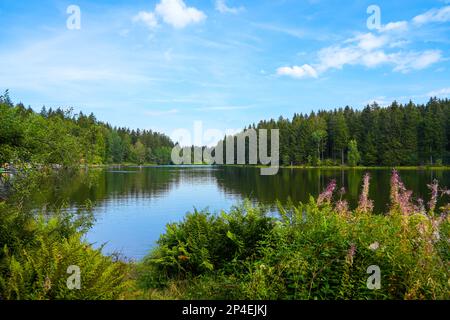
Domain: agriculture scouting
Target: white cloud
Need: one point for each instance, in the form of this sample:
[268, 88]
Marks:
[147, 18]
[373, 59]
[395, 26]
[433, 15]
[399, 43]
[369, 41]
[335, 57]
[369, 50]
[408, 61]
[305, 71]
[177, 14]
[222, 7]
[381, 47]
[173, 12]
[445, 92]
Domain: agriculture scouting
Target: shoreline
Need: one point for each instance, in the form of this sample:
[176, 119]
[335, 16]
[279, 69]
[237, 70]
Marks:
[444, 167]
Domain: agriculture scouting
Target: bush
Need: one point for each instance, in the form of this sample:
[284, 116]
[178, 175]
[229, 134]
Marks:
[36, 251]
[204, 243]
[317, 250]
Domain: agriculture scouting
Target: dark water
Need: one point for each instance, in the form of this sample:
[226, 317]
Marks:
[133, 205]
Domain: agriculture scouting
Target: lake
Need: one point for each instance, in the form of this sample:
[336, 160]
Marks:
[132, 205]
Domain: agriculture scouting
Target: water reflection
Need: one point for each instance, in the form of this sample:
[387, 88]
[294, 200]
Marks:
[133, 205]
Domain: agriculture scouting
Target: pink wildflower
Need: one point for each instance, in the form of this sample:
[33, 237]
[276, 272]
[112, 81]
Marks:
[420, 207]
[365, 204]
[434, 187]
[400, 197]
[342, 207]
[327, 194]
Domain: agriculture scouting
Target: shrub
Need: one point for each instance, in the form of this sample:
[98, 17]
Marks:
[316, 250]
[204, 243]
[37, 249]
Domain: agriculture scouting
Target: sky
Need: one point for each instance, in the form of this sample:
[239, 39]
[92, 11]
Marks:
[165, 64]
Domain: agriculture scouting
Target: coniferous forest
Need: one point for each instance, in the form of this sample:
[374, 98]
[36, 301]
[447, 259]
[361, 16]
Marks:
[396, 135]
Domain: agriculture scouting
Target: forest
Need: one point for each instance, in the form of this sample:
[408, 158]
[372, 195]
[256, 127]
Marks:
[396, 135]
[64, 138]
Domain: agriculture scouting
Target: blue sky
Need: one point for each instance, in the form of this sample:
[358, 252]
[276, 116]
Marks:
[164, 64]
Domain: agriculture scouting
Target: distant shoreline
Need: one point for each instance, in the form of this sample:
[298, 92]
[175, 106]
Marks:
[281, 167]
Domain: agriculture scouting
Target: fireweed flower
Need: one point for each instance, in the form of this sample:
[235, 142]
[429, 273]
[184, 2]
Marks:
[342, 207]
[327, 194]
[400, 197]
[434, 187]
[365, 204]
[420, 207]
[395, 185]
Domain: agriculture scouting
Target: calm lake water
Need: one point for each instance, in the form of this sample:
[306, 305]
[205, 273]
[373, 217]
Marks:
[132, 205]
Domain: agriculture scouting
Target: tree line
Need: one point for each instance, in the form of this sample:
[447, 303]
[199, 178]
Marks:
[64, 138]
[397, 135]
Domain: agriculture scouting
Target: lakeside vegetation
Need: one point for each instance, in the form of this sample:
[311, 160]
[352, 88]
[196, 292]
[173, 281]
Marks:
[315, 250]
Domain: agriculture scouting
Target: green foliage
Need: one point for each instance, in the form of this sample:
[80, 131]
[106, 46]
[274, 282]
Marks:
[40, 271]
[353, 154]
[397, 135]
[37, 249]
[57, 137]
[317, 250]
[204, 243]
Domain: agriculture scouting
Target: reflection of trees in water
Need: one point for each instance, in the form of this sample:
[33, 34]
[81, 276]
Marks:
[99, 186]
[294, 184]
[299, 184]
[117, 184]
